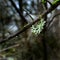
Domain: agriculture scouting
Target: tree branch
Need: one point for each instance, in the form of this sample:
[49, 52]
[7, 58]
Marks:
[45, 57]
[52, 20]
[16, 45]
[18, 10]
[49, 3]
[29, 25]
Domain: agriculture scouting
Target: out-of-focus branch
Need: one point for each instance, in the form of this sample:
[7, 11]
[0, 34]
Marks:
[52, 20]
[16, 45]
[18, 10]
[28, 14]
[49, 3]
[30, 24]
[45, 57]
[21, 6]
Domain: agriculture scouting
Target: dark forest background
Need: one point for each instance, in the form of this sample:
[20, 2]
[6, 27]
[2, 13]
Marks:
[17, 42]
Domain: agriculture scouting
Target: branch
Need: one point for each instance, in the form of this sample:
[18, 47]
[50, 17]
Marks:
[28, 14]
[52, 20]
[9, 48]
[18, 10]
[49, 3]
[45, 57]
[21, 6]
[30, 24]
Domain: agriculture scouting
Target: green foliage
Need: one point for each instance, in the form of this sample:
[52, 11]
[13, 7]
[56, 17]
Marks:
[55, 1]
[43, 1]
[36, 29]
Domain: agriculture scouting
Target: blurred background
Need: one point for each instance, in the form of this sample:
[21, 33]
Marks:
[14, 15]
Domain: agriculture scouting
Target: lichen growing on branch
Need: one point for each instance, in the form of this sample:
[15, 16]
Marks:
[36, 29]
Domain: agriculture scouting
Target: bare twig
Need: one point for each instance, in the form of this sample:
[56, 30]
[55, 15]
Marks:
[28, 14]
[16, 45]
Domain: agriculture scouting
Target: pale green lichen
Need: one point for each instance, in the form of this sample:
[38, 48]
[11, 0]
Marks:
[36, 29]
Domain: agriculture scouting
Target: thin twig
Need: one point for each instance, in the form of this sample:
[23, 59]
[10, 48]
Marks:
[28, 14]
[16, 45]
